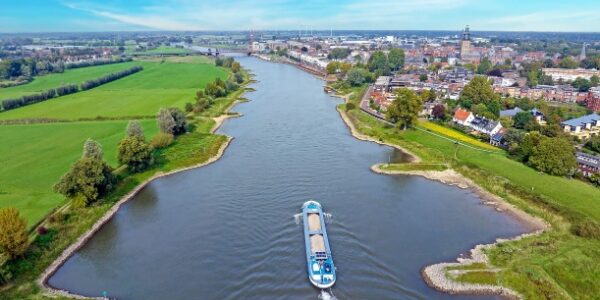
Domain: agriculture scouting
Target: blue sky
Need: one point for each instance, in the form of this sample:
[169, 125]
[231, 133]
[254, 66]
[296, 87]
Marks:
[109, 15]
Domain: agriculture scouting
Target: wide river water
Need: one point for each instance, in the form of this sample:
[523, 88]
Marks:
[227, 230]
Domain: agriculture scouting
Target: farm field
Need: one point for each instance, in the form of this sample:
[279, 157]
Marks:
[141, 94]
[70, 76]
[45, 152]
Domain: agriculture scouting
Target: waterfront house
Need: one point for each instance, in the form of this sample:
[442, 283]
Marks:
[588, 164]
[583, 127]
[463, 117]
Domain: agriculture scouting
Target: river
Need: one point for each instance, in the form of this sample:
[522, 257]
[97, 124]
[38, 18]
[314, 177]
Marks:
[227, 230]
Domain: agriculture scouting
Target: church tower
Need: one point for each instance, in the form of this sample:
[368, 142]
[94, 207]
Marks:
[465, 43]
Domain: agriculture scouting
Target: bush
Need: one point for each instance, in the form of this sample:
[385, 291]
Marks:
[13, 233]
[42, 230]
[350, 106]
[161, 140]
[586, 229]
[135, 153]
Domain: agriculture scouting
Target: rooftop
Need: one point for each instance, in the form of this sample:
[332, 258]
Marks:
[582, 120]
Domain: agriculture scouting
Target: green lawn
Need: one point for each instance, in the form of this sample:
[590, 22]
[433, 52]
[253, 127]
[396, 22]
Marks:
[33, 157]
[140, 94]
[70, 76]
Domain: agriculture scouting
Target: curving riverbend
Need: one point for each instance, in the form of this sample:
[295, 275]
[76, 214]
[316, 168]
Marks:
[227, 230]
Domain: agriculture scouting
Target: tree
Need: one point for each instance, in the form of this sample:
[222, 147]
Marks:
[134, 129]
[479, 90]
[180, 121]
[485, 66]
[134, 152]
[235, 67]
[88, 179]
[428, 96]
[439, 111]
[165, 121]
[13, 233]
[521, 119]
[569, 63]
[332, 67]
[92, 149]
[594, 143]
[355, 77]
[405, 109]
[526, 146]
[378, 62]
[423, 77]
[582, 84]
[595, 81]
[555, 156]
[396, 59]
[339, 53]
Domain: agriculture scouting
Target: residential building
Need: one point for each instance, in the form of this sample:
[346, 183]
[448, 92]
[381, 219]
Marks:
[485, 126]
[588, 164]
[583, 127]
[570, 74]
[510, 112]
[463, 117]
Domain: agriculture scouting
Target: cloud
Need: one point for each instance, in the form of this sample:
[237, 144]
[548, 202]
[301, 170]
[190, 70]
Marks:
[546, 21]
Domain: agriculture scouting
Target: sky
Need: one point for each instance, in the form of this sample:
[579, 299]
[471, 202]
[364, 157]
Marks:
[133, 15]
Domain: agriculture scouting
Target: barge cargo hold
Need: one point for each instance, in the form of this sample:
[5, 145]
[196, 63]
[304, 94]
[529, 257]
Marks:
[321, 270]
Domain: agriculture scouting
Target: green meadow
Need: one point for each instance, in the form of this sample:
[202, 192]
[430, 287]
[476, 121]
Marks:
[141, 94]
[70, 76]
[34, 156]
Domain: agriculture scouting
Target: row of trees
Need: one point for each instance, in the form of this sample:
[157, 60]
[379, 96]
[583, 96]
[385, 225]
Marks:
[25, 68]
[9, 104]
[98, 62]
[90, 84]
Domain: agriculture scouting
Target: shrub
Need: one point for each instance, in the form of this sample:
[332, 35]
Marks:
[161, 140]
[42, 230]
[165, 121]
[350, 106]
[586, 229]
[135, 153]
[134, 129]
[13, 232]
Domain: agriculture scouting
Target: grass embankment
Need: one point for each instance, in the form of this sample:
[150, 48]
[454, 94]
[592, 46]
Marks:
[142, 94]
[554, 265]
[70, 76]
[67, 224]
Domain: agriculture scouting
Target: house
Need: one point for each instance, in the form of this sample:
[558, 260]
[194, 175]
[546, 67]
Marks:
[583, 127]
[510, 112]
[463, 117]
[588, 164]
[498, 138]
[485, 126]
[538, 116]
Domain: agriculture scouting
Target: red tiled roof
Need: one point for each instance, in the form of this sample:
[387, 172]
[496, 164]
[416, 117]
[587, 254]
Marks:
[462, 115]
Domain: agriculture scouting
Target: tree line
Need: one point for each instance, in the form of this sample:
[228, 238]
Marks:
[218, 88]
[9, 104]
[90, 84]
[99, 62]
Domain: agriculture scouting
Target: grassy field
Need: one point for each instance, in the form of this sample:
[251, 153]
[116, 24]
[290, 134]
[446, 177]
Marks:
[165, 50]
[70, 76]
[554, 265]
[45, 152]
[141, 94]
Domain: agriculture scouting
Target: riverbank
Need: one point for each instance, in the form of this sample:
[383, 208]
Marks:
[70, 228]
[67, 253]
[527, 264]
